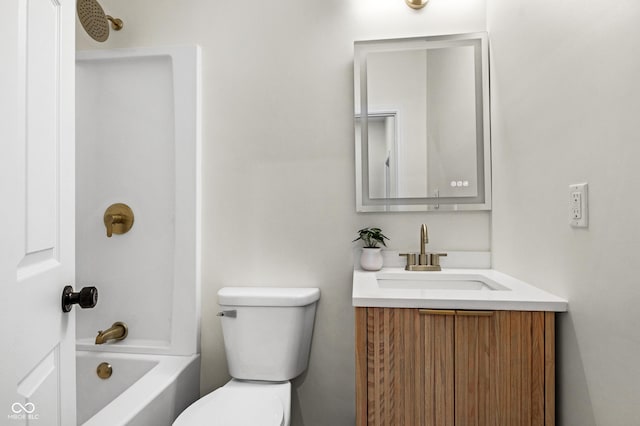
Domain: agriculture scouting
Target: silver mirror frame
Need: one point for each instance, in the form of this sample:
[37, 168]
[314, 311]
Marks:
[483, 132]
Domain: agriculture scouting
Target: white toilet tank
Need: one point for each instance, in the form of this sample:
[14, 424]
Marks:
[267, 331]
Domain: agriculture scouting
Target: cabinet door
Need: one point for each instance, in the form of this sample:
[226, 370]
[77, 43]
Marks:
[502, 367]
[409, 368]
[425, 367]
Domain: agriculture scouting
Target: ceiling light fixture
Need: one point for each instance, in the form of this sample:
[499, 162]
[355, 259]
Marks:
[416, 4]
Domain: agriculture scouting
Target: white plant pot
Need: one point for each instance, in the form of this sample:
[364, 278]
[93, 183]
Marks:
[371, 259]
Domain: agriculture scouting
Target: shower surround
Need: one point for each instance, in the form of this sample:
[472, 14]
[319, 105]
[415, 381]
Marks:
[137, 139]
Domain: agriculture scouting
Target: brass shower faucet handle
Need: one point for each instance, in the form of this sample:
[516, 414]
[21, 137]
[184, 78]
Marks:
[118, 219]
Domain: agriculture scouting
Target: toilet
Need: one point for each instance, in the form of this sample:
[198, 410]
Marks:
[267, 337]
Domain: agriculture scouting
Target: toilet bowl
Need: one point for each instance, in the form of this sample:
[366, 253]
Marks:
[241, 403]
[267, 337]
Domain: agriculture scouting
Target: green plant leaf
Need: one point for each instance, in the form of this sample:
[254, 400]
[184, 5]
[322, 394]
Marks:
[371, 237]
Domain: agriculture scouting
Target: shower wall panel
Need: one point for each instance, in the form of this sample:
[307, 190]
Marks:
[127, 152]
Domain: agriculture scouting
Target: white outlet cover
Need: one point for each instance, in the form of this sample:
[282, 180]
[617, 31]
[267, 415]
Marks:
[578, 212]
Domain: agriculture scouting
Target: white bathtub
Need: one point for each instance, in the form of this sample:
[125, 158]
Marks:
[144, 390]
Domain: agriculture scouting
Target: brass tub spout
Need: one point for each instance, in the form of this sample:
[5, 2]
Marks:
[117, 331]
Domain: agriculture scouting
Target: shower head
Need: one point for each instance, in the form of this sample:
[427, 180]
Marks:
[94, 21]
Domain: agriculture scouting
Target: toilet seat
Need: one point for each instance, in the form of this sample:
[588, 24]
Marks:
[233, 407]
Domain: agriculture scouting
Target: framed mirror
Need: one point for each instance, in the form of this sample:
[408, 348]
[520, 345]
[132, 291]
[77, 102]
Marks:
[422, 134]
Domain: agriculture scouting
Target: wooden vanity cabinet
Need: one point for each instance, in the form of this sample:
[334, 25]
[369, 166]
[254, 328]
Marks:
[419, 367]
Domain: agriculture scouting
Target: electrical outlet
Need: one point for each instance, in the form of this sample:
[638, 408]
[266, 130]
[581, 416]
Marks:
[578, 206]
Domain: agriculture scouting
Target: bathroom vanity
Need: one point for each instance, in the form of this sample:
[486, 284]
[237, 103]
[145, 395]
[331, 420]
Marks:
[455, 347]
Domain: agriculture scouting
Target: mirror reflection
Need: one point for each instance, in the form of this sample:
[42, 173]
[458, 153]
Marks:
[421, 124]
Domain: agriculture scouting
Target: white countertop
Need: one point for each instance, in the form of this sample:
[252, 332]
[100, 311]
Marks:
[518, 295]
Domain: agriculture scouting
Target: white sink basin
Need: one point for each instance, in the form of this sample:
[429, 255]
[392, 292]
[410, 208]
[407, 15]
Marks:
[472, 289]
[436, 281]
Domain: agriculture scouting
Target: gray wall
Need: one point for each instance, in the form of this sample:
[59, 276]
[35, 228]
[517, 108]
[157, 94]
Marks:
[566, 105]
[278, 159]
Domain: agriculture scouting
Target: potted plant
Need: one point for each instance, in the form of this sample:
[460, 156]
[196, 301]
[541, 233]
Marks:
[371, 257]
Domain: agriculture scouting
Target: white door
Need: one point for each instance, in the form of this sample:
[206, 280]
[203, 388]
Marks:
[37, 370]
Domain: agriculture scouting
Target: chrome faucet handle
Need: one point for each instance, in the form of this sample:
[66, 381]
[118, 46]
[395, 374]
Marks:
[411, 259]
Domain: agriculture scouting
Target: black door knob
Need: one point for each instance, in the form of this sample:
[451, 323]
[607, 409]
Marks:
[86, 298]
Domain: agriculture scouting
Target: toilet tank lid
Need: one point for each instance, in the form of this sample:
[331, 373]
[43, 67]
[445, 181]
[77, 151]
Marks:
[267, 296]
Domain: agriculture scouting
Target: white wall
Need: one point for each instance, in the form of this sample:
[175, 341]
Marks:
[278, 167]
[566, 107]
